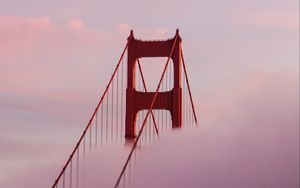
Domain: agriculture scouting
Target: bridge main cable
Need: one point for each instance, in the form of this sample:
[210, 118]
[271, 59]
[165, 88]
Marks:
[188, 86]
[144, 85]
[91, 119]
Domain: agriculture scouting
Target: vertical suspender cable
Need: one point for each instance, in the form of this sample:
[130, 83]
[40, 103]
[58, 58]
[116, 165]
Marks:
[77, 168]
[112, 111]
[71, 174]
[117, 108]
[149, 129]
[170, 87]
[163, 111]
[96, 127]
[64, 180]
[107, 98]
[101, 126]
[183, 101]
[84, 146]
[124, 180]
[83, 163]
[90, 138]
[129, 173]
[166, 89]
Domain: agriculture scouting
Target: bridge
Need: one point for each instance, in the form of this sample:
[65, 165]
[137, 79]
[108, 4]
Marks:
[128, 112]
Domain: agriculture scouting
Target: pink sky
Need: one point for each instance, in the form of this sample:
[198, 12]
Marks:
[243, 63]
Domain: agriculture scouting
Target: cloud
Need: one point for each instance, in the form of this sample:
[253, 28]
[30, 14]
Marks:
[123, 28]
[273, 18]
[75, 24]
[248, 136]
[37, 52]
[17, 34]
[256, 91]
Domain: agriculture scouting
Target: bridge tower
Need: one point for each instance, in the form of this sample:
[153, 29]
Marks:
[168, 100]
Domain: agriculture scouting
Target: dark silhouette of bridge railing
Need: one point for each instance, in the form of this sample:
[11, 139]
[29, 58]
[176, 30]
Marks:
[107, 123]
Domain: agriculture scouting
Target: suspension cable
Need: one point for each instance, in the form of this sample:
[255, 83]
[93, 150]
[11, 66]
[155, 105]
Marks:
[189, 89]
[144, 84]
[91, 119]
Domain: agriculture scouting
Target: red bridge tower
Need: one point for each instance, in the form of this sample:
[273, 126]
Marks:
[168, 100]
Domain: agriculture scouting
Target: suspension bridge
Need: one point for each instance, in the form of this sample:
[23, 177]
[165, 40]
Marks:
[128, 112]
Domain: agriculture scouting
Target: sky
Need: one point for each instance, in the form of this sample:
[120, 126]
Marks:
[243, 63]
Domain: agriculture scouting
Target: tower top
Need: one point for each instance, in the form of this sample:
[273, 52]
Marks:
[176, 34]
